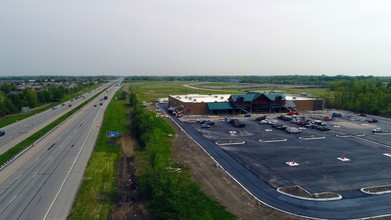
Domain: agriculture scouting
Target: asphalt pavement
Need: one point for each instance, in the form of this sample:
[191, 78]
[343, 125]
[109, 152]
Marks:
[261, 167]
[43, 182]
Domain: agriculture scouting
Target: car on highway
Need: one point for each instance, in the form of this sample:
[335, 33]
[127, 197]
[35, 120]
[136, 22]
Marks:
[377, 130]
[2, 133]
[70, 105]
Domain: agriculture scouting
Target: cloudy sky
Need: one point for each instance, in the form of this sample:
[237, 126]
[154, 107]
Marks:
[215, 37]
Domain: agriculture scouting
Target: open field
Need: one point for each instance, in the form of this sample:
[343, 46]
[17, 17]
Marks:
[150, 91]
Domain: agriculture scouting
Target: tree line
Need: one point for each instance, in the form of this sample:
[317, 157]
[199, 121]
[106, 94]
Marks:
[369, 96]
[11, 99]
[321, 80]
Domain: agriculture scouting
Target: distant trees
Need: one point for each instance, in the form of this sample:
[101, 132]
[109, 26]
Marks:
[11, 99]
[370, 95]
[322, 80]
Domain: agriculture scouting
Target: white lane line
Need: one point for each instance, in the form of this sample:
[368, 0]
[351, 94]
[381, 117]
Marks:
[73, 164]
[12, 199]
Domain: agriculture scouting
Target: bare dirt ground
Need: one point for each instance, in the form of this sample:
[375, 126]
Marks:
[127, 204]
[217, 184]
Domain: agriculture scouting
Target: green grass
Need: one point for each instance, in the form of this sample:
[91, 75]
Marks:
[96, 194]
[34, 137]
[150, 91]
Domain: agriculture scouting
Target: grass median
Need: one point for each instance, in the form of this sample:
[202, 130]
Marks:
[96, 194]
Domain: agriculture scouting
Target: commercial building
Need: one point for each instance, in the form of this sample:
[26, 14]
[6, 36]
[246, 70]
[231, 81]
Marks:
[251, 102]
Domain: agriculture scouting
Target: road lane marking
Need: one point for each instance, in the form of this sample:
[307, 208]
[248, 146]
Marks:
[73, 164]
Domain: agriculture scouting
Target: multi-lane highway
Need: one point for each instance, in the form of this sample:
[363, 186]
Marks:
[42, 183]
[18, 131]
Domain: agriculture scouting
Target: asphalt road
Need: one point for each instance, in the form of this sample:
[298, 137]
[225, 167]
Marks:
[18, 131]
[42, 183]
[367, 163]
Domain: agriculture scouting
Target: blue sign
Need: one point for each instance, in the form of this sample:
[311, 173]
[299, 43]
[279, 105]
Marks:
[112, 134]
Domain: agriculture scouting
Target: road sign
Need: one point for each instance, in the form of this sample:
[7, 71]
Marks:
[112, 134]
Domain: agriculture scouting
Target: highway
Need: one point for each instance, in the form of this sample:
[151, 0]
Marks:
[42, 183]
[347, 208]
[18, 131]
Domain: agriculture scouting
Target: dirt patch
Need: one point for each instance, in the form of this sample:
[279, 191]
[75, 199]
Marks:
[127, 203]
[127, 146]
[217, 184]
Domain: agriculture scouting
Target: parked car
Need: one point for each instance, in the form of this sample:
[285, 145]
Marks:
[336, 114]
[323, 128]
[293, 130]
[209, 123]
[205, 126]
[372, 120]
[293, 113]
[239, 124]
[247, 115]
[260, 118]
[2, 133]
[328, 118]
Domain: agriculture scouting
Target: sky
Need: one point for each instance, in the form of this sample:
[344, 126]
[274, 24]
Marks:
[188, 37]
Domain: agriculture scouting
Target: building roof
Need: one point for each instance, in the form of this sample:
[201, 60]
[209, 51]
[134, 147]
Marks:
[248, 97]
[274, 96]
[197, 98]
[220, 106]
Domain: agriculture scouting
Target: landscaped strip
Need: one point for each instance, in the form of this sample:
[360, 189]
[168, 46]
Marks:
[166, 184]
[96, 194]
[11, 153]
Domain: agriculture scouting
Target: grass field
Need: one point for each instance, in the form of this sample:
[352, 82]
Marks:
[150, 91]
[96, 194]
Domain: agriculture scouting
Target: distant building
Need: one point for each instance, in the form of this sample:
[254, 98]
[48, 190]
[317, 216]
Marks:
[251, 102]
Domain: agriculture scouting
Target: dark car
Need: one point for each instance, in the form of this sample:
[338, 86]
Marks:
[70, 105]
[209, 123]
[239, 124]
[323, 128]
[372, 120]
[260, 118]
[2, 133]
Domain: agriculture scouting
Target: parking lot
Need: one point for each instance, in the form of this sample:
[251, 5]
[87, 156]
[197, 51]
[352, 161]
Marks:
[344, 159]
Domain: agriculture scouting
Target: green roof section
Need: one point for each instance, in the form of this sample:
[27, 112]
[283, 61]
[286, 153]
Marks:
[274, 97]
[251, 96]
[220, 106]
[248, 97]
